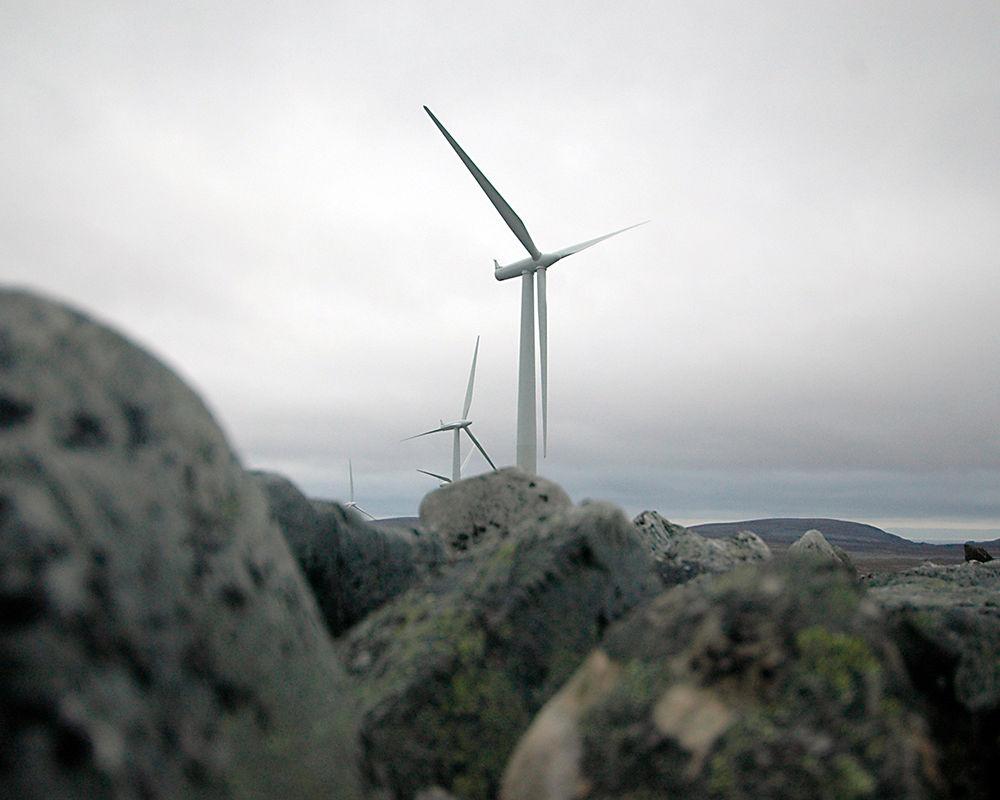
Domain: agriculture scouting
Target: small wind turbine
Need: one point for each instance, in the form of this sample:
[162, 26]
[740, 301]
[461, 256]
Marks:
[526, 456]
[350, 503]
[458, 426]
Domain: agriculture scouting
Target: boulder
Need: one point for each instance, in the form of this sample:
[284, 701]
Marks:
[976, 552]
[453, 670]
[770, 681]
[481, 511]
[813, 544]
[353, 567]
[158, 639]
[682, 554]
[946, 622]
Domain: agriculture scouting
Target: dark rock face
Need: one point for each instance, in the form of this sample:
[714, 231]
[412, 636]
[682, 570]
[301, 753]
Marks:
[974, 552]
[158, 639]
[946, 622]
[813, 544]
[352, 567]
[481, 511]
[775, 681]
[682, 554]
[453, 670]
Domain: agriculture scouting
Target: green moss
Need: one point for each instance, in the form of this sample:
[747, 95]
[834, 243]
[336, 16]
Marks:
[475, 726]
[851, 780]
[841, 662]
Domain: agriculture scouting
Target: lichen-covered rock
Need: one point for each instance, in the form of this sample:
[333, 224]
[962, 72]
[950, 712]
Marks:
[453, 670]
[480, 511]
[976, 552]
[352, 567]
[946, 622]
[767, 682]
[813, 544]
[682, 554]
[158, 640]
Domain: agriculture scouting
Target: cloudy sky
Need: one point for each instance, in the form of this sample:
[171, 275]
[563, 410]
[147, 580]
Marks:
[807, 327]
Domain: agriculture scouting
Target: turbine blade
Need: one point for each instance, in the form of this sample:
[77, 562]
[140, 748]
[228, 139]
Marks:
[475, 441]
[512, 219]
[472, 381]
[468, 458]
[576, 248]
[435, 475]
[350, 471]
[425, 433]
[543, 353]
[359, 508]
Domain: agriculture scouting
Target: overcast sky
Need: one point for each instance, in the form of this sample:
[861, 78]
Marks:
[809, 326]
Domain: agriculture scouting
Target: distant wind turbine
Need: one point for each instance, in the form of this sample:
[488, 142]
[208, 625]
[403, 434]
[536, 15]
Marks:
[526, 451]
[462, 424]
[351, 503]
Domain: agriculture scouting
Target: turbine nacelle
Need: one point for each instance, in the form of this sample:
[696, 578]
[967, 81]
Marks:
[455, 426]
[525, 265]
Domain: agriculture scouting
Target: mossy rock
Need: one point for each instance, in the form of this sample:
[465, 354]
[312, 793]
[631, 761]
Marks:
[765, 682]
[452, 671]
[353, 567]
[158, 639]
[946, 622]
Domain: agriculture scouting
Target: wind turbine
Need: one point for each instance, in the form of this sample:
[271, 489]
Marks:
[458, 426]
[350, 503]
[538, 262]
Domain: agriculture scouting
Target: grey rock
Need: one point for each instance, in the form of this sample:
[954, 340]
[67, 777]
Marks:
[481, 511]
[453, 670]
[813, 544]
[158, 639]
[353, 567]
[975, 552]
[770, 681]
[682, 554]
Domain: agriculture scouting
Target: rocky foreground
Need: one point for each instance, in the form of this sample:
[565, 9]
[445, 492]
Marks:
[174, 626]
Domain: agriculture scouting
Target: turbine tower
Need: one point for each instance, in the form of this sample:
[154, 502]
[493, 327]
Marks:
[462, 424]
[350, 503]
[537, 263]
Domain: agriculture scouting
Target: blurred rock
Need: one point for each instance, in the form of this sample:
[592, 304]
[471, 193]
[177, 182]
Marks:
[481, 511]
[681, 554]
[813, 544]
[975, 552]
[946, 622]
[158, 639]
[353, 567]
[767, 682]
[453, 670]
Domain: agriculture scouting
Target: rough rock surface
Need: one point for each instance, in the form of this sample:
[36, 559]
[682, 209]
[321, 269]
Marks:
[158, 639]
[946, 622]
[352, 567]
[453, 670]
[681, 554]
[480, 511]
[976, 552]
[772, 681]
[813, 544]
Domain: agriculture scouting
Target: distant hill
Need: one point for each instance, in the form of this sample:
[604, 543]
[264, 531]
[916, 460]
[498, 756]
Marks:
[865, 542]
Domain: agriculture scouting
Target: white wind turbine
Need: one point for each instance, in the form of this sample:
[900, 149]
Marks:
[350, 503]
[526, 268]
[457, 427]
